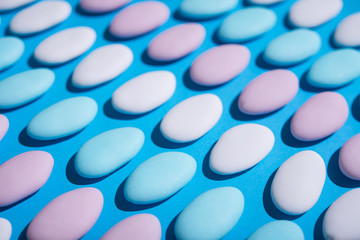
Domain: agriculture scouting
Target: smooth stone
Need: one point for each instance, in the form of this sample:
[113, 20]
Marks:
[108, 151]
[25, 87]
[335, 69]
[265, 2]
[292, 47]
[102, 65]
[23, 175]
[159, 177]
[226, 61]
[313, 13]
[278, 230]
[211, 215]
[246, 24]
[240, 148]
[186, 37]
[341, 220]
[298, 182]
[319, 117]
[6, 5]
[191, 118]
[137, 227]
[65, 45]
[5, 229]
[39, 17]
[144, 92]
[346, 34]
[11, 49]
[102, 6]
[68, 216]
[4, 126]
[268, 92]
[139, 18]
[57, 121]
[203, 9]
[349, 161]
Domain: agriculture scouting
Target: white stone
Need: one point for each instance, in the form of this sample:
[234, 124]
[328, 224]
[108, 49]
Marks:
[265, 2]
[347, 33]
[7, 5]
[5, 229]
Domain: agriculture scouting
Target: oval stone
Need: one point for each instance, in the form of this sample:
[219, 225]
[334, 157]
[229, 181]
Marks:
[278, 230]
[108, 151]
[240, 148]
[144, 92]
[23, 175]
[341, 220]
[4, 126]
[292, 47]
[246, 24]
[346, 34]
[101, 6]
[102, 65]
[298, 182]
[226, 61]
[6, 5]
[11, 49]
[310, 13]
[186, 37]
[139, 18]
[265, 2]
[268, 92]
[25, 87]
[139, 226]
[211, 215]
[192, 118]
[320, 116]
[62, 118]
[159, 177]
[203, 9]
[5, 229]
[68, 216]
[335, 69]
[39, 17]
[349, 161]
[65, 45]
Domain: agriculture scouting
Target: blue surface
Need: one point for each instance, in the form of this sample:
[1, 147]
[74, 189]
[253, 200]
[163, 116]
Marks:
[254, 183]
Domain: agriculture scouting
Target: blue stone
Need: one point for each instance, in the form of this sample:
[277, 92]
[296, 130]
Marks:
[11, 49]
[202, 9]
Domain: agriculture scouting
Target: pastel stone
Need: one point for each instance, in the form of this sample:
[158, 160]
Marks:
[349, 161]
[219, 64]
[5, 229]
[203, 9]
[159, 177]
[268, 92]
[23, 175]
[139, 18]
[341, 220]
[102, 65]
[4, 126]
[346, 34]
[144, 92]
[240, 148]
[335, 69]
[11, 49]
[62, 118]
[298, 182]
[278, 230]
[310, 13]
[192, 118]
[65, 45]
[211, 215]
[6, 5]
[137, 227]
[265, 2]
[39, 17]
[292, 47]
[25, 87]
[108, 151]
[246, 24]
[320, 116]
[186, 37]
[102, 6]
[68, 216]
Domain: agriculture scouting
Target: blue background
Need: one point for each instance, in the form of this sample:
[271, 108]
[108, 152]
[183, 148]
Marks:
[254, 183]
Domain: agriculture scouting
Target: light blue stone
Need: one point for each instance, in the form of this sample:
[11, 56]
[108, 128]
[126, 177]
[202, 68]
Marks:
[246, 24]
[211, 215]
[335, 69]
[202, 9]
[159, 177]
[11, 49]
[25, 87]
[62, 118]
[278, 230]
[292, 47]
[108, 151]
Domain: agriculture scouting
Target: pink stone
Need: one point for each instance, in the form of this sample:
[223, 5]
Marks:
[102, 6]
[4, 126]
[268, 92]
[349, 158]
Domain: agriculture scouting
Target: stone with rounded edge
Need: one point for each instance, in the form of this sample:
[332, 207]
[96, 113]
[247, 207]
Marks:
[203, 9]
[11, 49]
[101, 6]
[278, 230]
[6, 5]
[4, 126]
[265, 2]
[346, 34]
[5, 229]
[349, 161]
